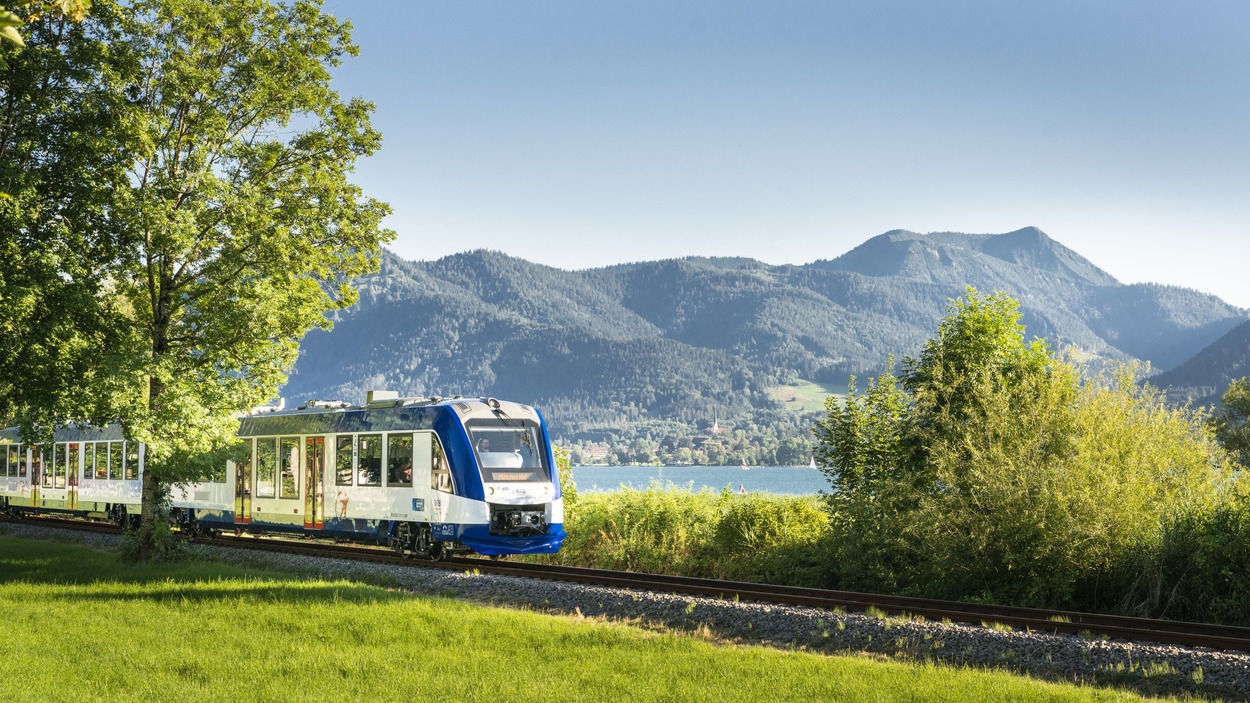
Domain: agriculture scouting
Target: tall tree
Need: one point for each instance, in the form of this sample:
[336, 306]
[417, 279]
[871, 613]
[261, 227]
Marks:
[232, 230]
[242, 226]
[60, 164]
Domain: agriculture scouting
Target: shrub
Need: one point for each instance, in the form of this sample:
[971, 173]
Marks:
[663, 529]
[773, 539]
[675, 530]
[990, 470]
[1199, 571]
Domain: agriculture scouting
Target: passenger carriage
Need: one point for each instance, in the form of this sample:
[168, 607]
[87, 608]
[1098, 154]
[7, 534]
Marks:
[427, 476]
[90, 472]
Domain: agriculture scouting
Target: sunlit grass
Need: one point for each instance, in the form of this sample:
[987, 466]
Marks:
[82, 625]
[806, 397]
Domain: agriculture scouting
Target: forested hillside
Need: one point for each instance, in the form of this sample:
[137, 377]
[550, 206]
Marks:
[1204, 378]
[660, 349]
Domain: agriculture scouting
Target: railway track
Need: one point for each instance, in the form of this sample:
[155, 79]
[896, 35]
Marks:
[1217, 637]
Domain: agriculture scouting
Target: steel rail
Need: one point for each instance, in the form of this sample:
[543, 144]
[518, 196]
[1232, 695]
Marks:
[1190, 634]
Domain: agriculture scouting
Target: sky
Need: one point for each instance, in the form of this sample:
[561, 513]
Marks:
[581, 134]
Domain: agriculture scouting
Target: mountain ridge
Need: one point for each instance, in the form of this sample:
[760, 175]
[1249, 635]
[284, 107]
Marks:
[662, 346]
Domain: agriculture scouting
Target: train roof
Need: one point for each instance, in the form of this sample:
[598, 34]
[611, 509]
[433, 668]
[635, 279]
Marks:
[330, 417]
[388, 414]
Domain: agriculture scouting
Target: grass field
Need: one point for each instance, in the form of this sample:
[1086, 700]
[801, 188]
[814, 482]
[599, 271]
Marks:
[80, 625]
[806, 397]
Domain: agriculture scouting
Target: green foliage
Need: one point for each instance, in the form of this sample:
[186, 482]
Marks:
[1231, 422]
[9, 23]
[860, 443]
[657, 529]
[210, 223]
[36, 10]
[859, 447]
[671, 530]
[564, 471]
[772, 540]
[60, 164]
[1199, 570]
[992, 471]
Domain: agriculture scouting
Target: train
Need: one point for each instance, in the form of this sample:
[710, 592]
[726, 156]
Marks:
[429, 477]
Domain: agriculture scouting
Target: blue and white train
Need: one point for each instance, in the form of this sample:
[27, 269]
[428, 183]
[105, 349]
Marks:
[428, 476]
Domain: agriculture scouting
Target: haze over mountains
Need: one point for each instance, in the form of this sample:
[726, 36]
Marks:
[666, 346]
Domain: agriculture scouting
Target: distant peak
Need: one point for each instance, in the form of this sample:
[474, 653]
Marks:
[1030, 231]
[1026, 234]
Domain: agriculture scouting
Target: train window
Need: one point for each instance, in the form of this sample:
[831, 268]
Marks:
[509, 451]
[343, 468]
[20, 458]
[369, 466]
[266, 467]
[289, 467]
[132, 461]
[440, 471]
[8, 466]
[88, 461]
[115, 461]
[399, 459]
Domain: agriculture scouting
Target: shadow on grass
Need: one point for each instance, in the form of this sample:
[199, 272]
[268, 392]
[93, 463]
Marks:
[68, 567]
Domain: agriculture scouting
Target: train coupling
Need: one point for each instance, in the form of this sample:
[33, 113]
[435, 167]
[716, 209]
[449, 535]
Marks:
[518, 520]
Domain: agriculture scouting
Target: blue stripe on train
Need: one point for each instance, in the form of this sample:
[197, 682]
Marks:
[475, 537]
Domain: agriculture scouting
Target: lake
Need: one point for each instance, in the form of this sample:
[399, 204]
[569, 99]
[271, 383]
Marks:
[785, 480]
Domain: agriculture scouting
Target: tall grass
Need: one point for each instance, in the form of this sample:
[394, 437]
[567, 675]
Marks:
[676, 530]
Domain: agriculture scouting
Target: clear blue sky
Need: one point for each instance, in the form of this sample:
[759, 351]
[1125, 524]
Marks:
[578, 133]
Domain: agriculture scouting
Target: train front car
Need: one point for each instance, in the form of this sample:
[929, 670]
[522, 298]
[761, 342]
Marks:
[428, 476]
[509, 488]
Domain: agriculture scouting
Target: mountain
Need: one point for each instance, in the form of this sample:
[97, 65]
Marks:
[660, 348]
[1204, 378]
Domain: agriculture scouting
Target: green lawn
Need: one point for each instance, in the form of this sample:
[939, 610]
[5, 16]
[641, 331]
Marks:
[79, 625]
[806, 397]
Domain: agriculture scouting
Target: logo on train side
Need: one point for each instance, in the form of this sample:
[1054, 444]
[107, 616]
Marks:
[418, 504]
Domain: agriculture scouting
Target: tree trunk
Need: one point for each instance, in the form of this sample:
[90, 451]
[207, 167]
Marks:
[153, 537]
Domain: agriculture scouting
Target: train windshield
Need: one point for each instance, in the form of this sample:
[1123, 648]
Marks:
[509, 451]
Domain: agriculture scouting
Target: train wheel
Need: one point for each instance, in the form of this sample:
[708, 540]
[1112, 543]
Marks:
[404, 540]
[422, 542]
[437, 553]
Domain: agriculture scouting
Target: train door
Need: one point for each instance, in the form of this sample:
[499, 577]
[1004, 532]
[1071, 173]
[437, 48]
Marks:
[53, 493]
[314, 482]
[243, 489]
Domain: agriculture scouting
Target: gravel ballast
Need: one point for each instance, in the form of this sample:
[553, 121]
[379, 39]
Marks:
[1067, 657]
